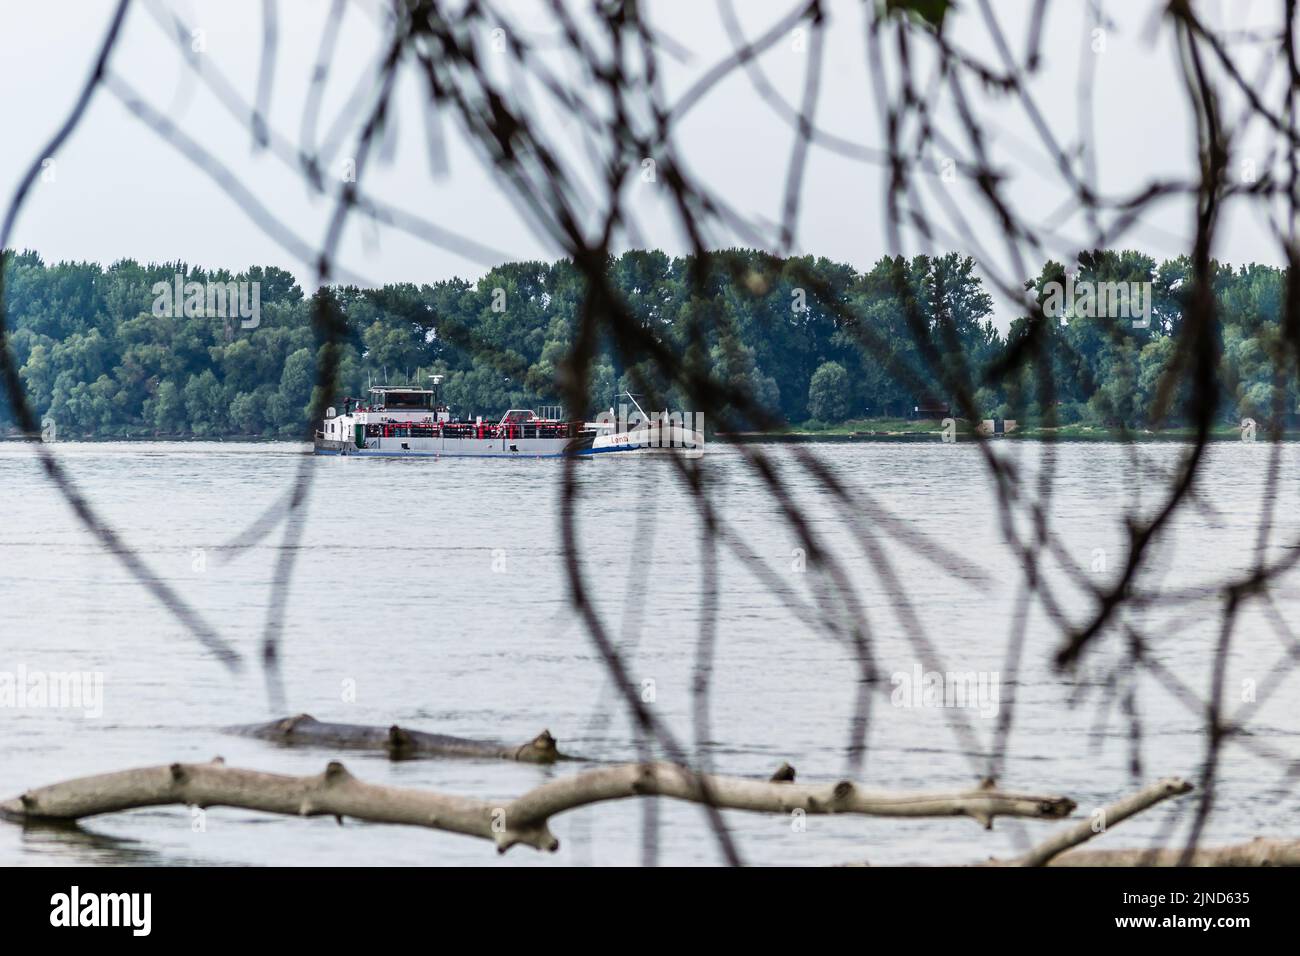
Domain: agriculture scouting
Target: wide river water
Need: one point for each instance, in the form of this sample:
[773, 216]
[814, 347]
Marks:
[433, 594]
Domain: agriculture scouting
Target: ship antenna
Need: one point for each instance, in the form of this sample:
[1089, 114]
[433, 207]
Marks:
[637, 404]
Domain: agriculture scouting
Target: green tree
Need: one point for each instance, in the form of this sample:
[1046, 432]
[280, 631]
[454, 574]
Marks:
[828, 398]
[167, 410]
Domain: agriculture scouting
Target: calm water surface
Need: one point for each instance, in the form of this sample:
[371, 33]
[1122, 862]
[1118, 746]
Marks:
[433, 594]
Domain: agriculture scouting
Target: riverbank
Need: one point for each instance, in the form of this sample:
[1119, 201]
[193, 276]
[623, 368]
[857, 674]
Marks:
[906, 429]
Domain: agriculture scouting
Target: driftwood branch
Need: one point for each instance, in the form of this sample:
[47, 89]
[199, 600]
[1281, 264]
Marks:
[335, 793]
[1121, 810]
[766, 796]
[400, 743]
[523, 820]
[1258, 852]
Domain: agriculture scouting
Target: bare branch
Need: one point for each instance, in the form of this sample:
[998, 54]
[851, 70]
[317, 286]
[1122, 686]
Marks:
[335, 792]
[1121, 810]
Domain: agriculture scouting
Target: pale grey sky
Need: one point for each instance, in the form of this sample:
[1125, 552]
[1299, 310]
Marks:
[117, 190]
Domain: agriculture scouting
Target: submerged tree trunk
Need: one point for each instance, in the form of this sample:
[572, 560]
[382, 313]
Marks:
[399, 743]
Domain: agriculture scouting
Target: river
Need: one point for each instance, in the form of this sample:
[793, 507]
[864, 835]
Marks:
[433, 594]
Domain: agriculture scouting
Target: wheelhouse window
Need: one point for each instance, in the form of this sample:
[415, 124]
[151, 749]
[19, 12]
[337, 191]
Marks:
[413, 400]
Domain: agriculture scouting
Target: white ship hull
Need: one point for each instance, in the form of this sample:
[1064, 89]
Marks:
[447, 447]
[648, 439]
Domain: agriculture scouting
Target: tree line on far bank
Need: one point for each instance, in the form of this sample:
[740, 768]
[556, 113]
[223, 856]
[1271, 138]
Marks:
[807, 338]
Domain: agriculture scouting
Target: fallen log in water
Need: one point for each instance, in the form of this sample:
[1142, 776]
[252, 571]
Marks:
[523, 820]
[399, 743]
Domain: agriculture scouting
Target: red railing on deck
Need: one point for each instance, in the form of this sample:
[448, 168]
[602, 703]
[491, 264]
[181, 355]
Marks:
[507, 431]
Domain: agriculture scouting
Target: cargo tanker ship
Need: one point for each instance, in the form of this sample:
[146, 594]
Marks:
[403, 421]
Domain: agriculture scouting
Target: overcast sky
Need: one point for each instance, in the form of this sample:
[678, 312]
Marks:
[118, 191]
